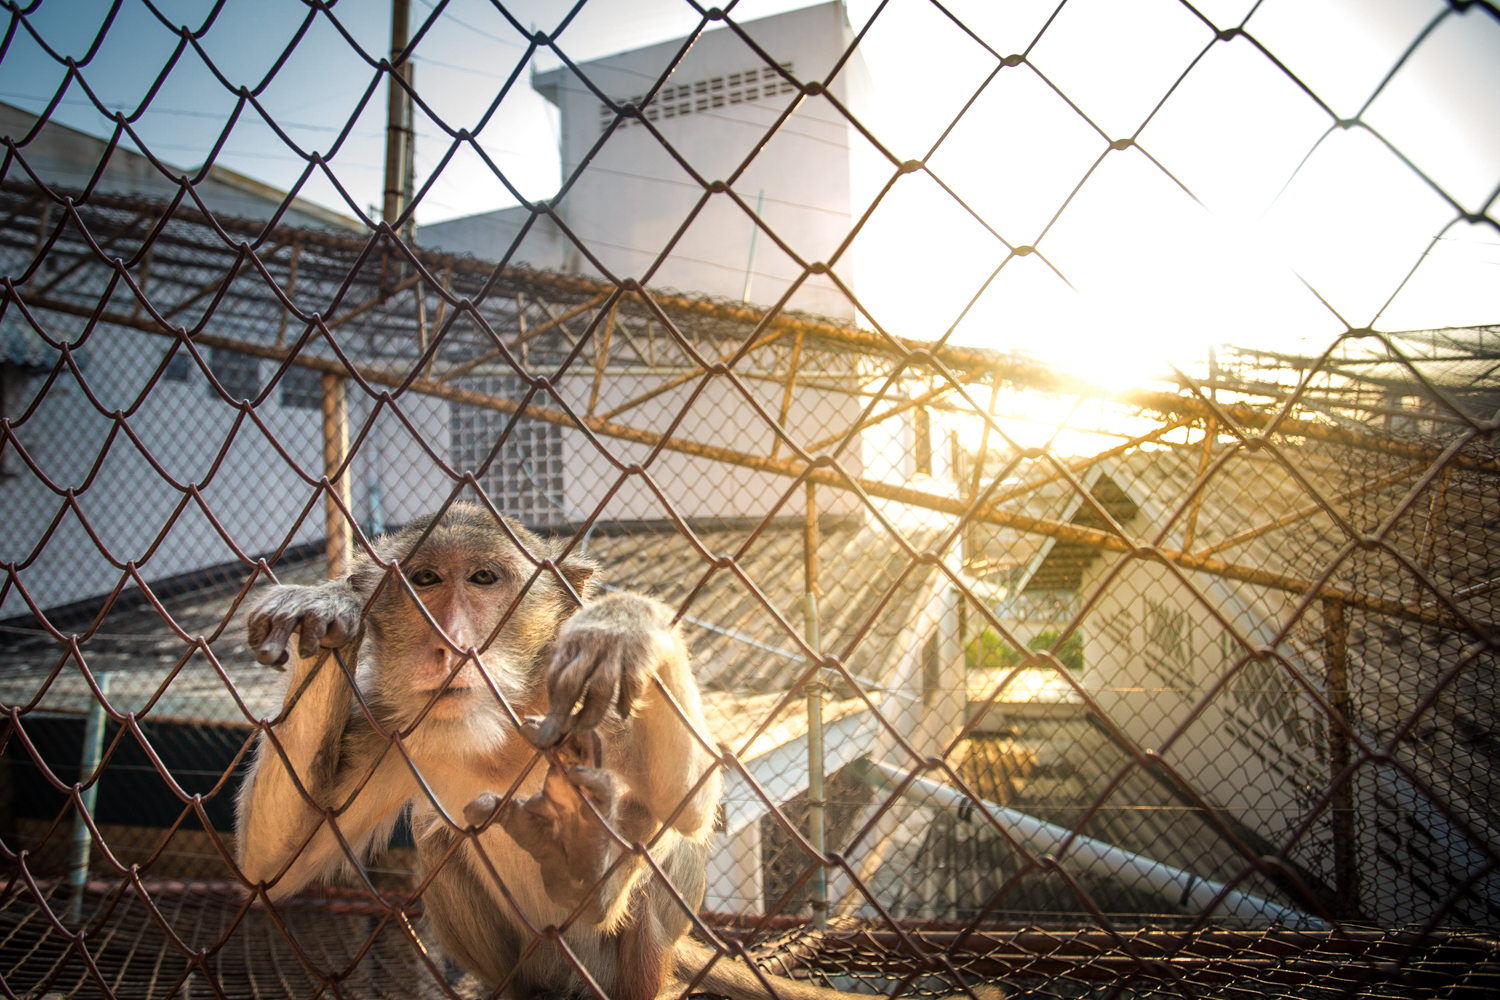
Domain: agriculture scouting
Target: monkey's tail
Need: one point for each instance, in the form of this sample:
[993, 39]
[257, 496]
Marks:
[733, 979]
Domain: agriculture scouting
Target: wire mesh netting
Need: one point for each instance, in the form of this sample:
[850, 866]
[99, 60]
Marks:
[1000, 674]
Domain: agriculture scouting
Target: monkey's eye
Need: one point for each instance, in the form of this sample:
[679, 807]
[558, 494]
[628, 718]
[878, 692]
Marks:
[425, 578]
[484, 577]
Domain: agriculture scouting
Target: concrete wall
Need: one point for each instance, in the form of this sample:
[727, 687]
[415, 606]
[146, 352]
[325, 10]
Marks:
[497, 236]
[1154, 651]
[254, 492]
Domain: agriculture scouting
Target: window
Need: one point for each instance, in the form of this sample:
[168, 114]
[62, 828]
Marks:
[697, 96]
[921, 426]
[238, 373]
[177, 367]
[302, 389]
[932, 668]
[525, 479]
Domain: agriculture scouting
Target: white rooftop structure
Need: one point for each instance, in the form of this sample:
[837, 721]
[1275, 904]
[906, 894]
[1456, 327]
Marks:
[720, 101]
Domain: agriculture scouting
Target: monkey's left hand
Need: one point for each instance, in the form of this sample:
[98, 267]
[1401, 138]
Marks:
[604, 656]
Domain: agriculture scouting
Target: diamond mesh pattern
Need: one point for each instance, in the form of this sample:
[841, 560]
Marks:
[1191, 692]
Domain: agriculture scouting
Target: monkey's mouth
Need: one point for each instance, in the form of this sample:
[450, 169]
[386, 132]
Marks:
[447, 693]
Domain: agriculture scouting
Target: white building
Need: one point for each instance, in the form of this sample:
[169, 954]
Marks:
[629, 195]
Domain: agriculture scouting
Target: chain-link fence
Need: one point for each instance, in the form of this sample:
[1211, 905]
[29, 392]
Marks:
[1189, 692]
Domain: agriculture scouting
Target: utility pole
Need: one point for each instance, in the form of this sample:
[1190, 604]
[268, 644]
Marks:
[400, 137]
[93, 750]
[816, 803]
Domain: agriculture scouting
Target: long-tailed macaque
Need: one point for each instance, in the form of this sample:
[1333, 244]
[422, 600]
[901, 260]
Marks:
[609, 734]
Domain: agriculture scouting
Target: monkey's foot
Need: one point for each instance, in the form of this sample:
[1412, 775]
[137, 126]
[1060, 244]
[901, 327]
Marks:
[560, 830]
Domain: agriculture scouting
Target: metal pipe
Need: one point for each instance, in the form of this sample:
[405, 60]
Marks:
[398, 127]
[374, 486]
[815, 811]
[1336, 679]
[760, 204]
[93, 749]
[1181, 890]
[338, 536]
[1020, 371]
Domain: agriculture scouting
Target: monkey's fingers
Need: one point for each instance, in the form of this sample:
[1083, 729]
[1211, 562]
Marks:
[271, 650]
[599, 696]
[632, 683]
[337, 634]
[579, 749]
[533, 825]
[601, 788]
[478, 812]
[257, 627]
[564, 687]
[311, 629]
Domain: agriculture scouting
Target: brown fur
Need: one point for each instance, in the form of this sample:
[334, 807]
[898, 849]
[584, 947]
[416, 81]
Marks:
[615, 749]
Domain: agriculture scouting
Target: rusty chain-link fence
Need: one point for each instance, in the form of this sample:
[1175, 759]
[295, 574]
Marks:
[1190, 692]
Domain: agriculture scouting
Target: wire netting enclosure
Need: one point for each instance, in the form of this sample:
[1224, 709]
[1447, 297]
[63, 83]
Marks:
[1013, 675]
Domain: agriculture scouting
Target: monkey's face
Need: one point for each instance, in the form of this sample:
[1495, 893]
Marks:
[466, 591]
[474, 611]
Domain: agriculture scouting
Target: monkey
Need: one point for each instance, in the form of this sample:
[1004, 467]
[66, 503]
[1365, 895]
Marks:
[480, 667]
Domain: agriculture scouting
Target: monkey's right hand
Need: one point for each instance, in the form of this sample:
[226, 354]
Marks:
[603, 659]
[557, 829]
[326, 615]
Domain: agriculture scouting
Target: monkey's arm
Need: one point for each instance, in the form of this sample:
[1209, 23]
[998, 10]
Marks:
[609, 655]
[330, 750]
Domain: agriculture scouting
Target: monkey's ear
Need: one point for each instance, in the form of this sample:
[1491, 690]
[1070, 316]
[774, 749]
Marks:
[577, 570]
[365, 576]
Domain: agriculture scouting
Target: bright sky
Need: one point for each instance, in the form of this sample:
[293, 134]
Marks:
[1153, 273]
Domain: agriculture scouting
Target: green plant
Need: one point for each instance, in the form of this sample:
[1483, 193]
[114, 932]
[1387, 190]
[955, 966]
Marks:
[1069, 655]
[988, 650]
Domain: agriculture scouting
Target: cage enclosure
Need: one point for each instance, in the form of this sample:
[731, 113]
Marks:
[1012, 674]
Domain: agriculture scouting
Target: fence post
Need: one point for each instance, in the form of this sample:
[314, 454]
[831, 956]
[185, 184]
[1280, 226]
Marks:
[335, 447]
[398, 128]
[93, 749]
[1336, 681]
[815, 818]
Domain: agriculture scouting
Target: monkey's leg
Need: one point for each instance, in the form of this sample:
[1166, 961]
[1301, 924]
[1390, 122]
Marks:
[471, 925]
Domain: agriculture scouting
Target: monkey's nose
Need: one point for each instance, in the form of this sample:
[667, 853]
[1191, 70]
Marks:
[438, 667]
